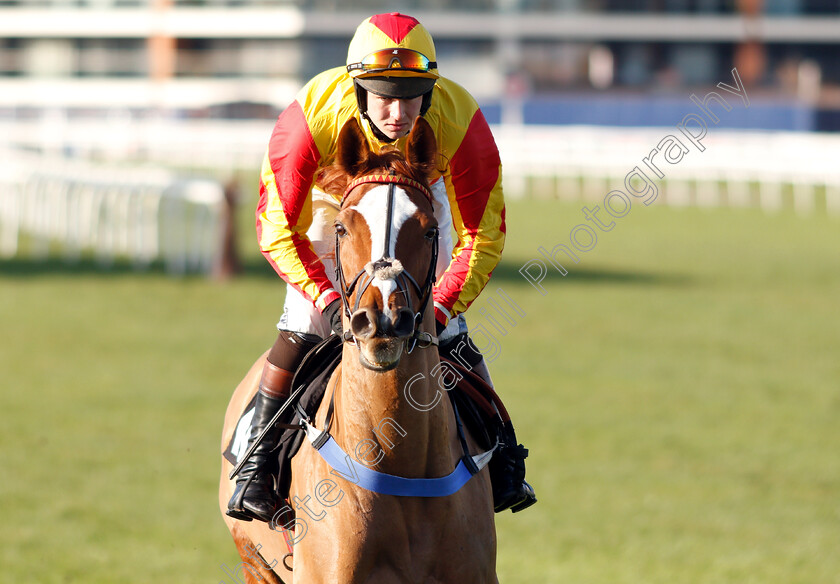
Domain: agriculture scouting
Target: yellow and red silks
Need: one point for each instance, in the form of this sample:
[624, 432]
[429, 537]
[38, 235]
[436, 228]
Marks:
[304, 141]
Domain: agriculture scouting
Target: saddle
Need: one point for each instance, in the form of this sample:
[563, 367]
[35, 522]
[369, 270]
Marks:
[476, 404]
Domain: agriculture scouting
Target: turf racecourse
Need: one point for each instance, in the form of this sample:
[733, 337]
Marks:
[679, 390]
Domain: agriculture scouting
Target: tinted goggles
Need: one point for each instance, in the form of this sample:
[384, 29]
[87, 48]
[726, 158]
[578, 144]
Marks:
[398, 59]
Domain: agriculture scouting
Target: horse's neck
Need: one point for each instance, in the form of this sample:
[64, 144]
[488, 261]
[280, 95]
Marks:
[400, 417]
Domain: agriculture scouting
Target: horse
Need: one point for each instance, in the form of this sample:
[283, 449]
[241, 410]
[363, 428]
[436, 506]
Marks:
[384, 408]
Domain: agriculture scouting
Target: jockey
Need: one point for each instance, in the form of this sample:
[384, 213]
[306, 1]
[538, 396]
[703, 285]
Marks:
[390, 78]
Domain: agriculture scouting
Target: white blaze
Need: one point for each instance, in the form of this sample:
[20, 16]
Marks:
[374, 209]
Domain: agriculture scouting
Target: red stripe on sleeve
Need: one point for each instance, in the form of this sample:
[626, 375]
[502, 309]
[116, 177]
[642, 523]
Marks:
[294, 158]
[475, 172]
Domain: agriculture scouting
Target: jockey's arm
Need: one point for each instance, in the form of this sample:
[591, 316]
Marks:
[284, 212]
[474, 182]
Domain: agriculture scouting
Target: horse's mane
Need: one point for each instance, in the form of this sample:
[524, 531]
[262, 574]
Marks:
[334, 179]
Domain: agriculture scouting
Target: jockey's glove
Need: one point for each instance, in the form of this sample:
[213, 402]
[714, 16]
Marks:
[333, 315]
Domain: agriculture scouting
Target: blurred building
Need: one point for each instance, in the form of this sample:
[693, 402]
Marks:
[615, 62]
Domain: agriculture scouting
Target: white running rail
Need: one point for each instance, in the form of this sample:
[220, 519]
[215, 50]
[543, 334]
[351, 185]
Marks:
[770, 170]
[139, 214]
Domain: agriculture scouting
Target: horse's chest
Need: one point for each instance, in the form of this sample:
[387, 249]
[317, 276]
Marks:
[368, 540]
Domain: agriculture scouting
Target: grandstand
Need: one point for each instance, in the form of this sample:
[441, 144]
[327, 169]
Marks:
[578, 91]
[246, 58]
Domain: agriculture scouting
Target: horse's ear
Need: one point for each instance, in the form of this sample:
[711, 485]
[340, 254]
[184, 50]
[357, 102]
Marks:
[353, 147]
[421, 149]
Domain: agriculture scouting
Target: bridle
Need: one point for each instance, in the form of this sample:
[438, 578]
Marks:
[363, 279]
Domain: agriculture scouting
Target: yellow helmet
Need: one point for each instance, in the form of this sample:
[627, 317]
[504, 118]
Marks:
[393, 55]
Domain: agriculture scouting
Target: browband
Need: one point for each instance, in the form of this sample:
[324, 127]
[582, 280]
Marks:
[389, 179]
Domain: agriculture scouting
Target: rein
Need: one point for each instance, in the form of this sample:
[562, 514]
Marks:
[365, 277]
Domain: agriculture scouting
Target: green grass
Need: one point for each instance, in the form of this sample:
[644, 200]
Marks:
[679, 390]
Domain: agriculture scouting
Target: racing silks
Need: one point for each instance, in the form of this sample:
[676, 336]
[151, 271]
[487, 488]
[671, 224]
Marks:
[304, 141]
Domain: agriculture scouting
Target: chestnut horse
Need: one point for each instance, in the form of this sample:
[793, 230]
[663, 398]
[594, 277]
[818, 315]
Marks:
[383, 406]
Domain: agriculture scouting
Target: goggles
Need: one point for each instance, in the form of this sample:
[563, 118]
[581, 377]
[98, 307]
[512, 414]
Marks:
[398, 59]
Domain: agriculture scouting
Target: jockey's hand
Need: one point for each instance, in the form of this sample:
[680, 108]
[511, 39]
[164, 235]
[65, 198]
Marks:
[333, 315]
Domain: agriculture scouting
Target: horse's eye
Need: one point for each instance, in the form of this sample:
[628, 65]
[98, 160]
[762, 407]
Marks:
[340, 230]
[431, 234]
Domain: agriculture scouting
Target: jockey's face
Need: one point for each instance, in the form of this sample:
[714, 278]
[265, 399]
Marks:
[394, 117]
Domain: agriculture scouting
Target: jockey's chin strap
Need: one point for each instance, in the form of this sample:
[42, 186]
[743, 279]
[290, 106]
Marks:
[389, 266]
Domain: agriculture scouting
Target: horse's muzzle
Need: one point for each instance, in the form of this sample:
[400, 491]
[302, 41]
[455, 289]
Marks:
[367, 323]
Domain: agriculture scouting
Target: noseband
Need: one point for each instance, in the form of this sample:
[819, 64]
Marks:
[388, 267]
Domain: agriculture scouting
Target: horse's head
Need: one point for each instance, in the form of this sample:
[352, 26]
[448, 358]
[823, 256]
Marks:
[386, 241]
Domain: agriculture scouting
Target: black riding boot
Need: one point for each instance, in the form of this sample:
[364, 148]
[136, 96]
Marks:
[507, 467]
[507, 474]
[254, 496]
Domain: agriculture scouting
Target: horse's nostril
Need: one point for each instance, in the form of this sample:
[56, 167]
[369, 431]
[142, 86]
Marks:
[404, 323]
[362, 325]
